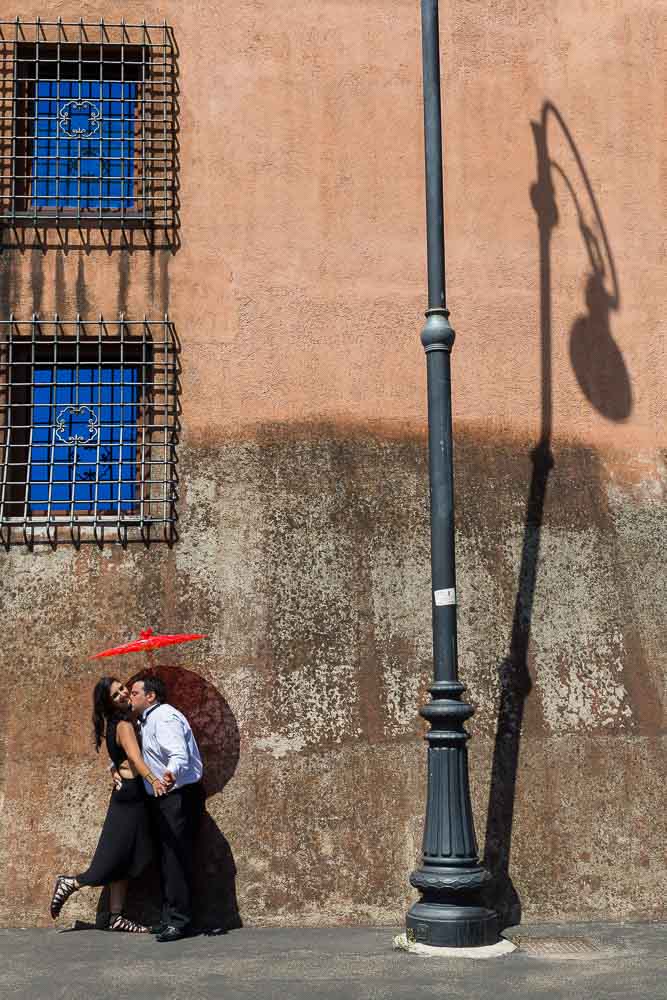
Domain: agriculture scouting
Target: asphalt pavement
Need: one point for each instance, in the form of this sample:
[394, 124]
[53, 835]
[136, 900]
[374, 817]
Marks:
[577, 961]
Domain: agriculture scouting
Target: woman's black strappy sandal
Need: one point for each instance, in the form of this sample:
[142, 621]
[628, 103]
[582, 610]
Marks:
[117, 922]
[64, 887]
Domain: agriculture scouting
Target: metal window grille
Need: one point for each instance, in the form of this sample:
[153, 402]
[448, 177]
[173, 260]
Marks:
[87, 125]
[89, 421]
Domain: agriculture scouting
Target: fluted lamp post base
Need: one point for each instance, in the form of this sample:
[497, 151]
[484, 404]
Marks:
[450, 913]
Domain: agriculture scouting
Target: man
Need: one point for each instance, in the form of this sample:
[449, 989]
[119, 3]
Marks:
[170, 750]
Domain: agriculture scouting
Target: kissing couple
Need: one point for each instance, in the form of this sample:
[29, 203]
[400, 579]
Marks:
[157, 803]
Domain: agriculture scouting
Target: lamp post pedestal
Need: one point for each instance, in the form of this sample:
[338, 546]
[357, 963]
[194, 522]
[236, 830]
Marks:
[449, 913]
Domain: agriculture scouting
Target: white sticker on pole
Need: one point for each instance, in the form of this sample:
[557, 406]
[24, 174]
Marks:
[445, 597]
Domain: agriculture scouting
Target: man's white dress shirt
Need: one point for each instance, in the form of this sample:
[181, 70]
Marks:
[168, 744]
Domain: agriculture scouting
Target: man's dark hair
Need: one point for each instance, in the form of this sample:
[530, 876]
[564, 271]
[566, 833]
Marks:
[157, 686]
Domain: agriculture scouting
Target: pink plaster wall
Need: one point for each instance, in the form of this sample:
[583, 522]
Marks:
[297, 293]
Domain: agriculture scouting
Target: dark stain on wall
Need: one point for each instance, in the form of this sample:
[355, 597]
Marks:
[150, 279]
[37, 280]
[5, 283]
[334, 502]
[164, 280]
[123, 280]
[82, 303]
[60, 292]
[10, 281]
[304, 550]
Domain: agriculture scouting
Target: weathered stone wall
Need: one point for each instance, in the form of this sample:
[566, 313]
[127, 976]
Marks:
[304, 554]
[303, 548]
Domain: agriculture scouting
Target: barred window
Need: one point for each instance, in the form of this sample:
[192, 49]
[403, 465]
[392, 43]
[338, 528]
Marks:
[89, 428]
[87, 125]
[84, 438]
[83, 154]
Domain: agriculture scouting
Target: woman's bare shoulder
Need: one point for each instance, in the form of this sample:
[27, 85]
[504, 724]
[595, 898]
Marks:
[124, 726]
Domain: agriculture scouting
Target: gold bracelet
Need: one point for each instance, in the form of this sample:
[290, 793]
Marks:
[151, 777]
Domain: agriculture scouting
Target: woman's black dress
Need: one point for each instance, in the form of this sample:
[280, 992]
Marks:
[125, 846]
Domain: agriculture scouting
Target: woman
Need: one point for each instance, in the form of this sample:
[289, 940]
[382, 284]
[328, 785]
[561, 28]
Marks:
[124, 847]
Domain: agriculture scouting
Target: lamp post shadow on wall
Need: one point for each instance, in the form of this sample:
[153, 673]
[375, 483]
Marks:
[603, 378]
[450, 912]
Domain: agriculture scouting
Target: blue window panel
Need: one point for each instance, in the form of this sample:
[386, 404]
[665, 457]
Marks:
[97, 472]
[84, 144]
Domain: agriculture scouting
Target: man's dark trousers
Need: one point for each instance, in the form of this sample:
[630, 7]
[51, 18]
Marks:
[177, 817]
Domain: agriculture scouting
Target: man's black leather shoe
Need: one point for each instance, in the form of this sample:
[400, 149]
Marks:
[170, 934]
[158, 928]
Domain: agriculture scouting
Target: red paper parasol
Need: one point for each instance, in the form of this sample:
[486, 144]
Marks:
[146, 642]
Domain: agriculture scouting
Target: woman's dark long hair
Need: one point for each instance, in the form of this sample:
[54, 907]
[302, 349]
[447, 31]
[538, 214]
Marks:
[103, 708]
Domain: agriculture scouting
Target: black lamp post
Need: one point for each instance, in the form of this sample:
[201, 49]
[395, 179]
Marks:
[449, 913]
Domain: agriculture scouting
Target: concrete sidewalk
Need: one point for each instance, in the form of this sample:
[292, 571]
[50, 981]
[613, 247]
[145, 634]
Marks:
[577, 962]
